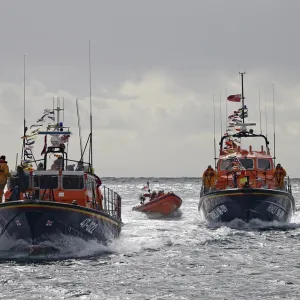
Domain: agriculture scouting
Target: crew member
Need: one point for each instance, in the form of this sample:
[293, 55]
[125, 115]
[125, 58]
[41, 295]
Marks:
[279, 175]
[22, 183]
[209, 178]
[57, 164]
[40, 167]
[98, 180]
[80, 166]
[4, 174]
[153, 195]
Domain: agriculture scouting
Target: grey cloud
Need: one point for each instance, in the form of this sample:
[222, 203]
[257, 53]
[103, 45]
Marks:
[155, 66]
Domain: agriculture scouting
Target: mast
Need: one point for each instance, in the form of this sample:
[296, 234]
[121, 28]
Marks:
[91, 119]
[24, 112]
[266, 115]
[79, 128]
[221, 123]
[215, 151]
[259, 111]
[16, 161]
[243, 98]
[226, 112]
[274, 122]
[58, 111]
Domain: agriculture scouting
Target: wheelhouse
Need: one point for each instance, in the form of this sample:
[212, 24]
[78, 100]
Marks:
[55, 177]
[41, 180]
[248, 163]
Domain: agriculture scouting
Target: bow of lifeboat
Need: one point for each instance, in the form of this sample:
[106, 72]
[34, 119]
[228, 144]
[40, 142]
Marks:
[51, 200]
[247, 204]
[164, 204]
[49, 220]
[248, 190]
[247, 185]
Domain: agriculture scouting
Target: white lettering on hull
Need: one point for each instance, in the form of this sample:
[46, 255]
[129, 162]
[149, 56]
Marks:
[275, 210]
[218, 211]
[89, 225]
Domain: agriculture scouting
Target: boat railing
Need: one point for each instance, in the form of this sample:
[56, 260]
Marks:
[202, 190]
[287, 185]
[259, 178]
[111, 203]
[257, 181]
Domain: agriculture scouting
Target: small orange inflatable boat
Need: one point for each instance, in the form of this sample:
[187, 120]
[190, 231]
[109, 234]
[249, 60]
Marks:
[163, 203]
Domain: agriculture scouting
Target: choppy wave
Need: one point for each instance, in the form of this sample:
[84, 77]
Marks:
[181, 257]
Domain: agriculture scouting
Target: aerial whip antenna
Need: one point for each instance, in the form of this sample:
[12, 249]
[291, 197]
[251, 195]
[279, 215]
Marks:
[274, 122]
[91, 119]
[221, 128]
[79, 128]
[243, 98]
[24, 112]
[266, 115]
[226, 117]
[215, 151]
[259, 111]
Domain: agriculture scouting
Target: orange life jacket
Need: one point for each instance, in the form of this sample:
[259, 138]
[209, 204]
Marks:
[209, 177]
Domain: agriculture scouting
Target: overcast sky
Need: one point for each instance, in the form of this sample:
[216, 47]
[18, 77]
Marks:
[155, 67]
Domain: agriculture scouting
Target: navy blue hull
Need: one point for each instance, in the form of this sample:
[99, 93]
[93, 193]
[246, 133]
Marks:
[37, 222]
[246, 205]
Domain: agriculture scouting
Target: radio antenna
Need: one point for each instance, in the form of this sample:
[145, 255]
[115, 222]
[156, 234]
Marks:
[259, 111]
[91, 117]
[215, 151]
[274, 123]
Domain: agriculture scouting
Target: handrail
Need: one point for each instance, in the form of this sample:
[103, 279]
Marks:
[287, 183]
[111, 203]
[288, 186]
[245, 135]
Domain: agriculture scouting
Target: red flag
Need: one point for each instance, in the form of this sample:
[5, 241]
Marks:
[235, 98]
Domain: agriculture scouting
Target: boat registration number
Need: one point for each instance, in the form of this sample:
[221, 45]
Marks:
[275, 210]
[89, 225]
[218, 211]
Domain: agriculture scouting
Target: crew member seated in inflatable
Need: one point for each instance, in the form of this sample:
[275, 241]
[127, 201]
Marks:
[153, 195]
[160, 193]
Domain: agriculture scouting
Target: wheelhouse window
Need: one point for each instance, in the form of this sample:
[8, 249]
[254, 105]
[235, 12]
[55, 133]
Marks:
[46, 182]
[247, 163]
[36, 181]
[226, 165]
[263, 164]
[73, 182]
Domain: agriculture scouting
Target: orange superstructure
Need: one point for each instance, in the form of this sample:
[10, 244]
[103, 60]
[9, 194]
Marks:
[245, 184]
[56, 196]
[73, 187]
[241, 166]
